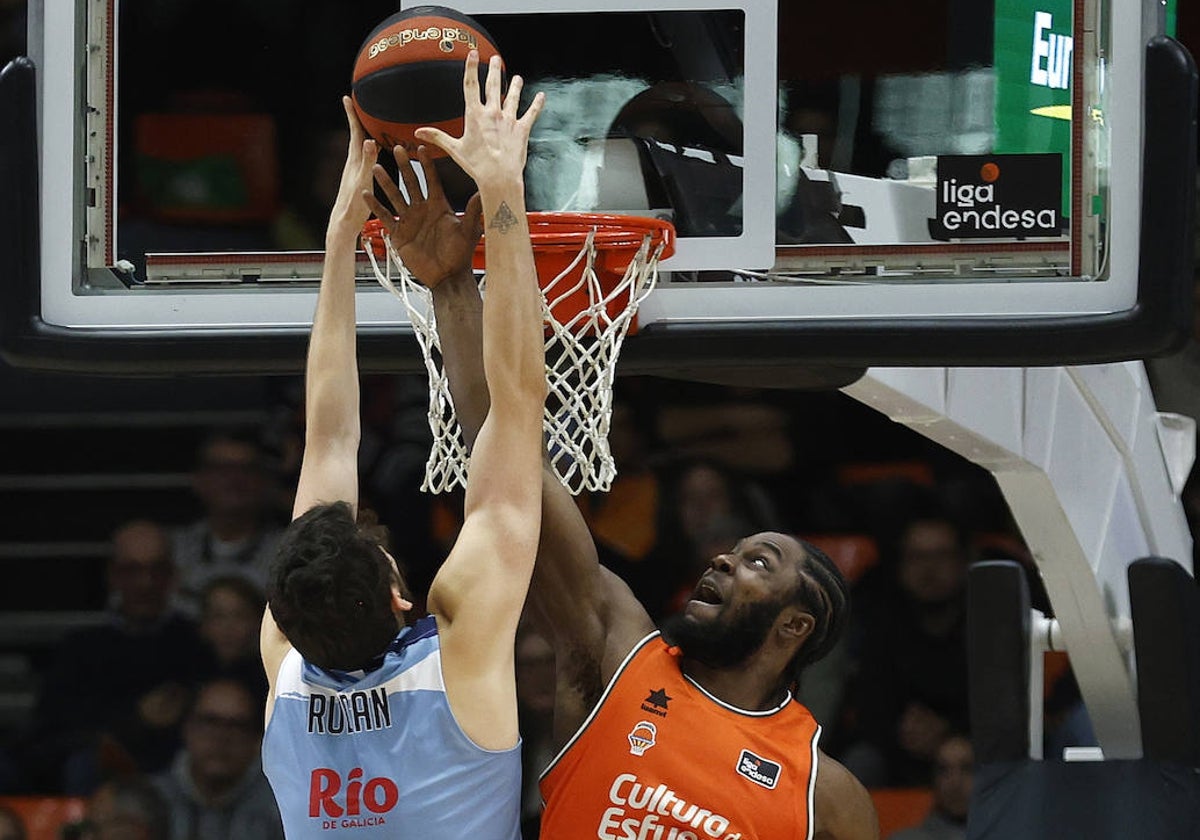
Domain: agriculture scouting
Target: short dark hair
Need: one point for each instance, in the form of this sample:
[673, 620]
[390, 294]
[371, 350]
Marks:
[330, 589]
[823, 591]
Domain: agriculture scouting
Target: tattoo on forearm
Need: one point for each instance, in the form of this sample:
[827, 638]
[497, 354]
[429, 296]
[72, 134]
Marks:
[504, 220]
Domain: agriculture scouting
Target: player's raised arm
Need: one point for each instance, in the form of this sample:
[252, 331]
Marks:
[587, 612]
[329, 471]
[479, 592]
[582, 606]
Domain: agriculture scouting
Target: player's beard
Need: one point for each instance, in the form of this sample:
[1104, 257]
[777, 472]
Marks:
[723, 642]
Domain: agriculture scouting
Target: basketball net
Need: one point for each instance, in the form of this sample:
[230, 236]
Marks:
[587, 316]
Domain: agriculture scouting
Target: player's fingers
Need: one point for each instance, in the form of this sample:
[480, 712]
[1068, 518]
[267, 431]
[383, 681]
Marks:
[356, 129]
[471, 80]
[433, 184]
[493, 82]
[534, 110]
[408, 175]
[472, 220]
[439, 138]
[512, 99]
[369, 154]
[389, 188]
[379, 210]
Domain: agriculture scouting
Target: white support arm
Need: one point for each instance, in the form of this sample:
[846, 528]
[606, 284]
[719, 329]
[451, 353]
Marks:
[1091, 472]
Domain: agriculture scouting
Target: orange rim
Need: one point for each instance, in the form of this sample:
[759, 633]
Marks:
[549, 231]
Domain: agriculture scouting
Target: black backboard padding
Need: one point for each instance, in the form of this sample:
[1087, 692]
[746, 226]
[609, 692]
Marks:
[998, 628]
[1165, 607]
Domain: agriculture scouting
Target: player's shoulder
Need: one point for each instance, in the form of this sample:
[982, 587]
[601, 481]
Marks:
[843, 808]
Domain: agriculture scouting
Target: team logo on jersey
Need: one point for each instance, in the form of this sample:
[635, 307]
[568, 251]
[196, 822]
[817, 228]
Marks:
[759, 770]
[641, 737]
[656, 702]
[340, 802]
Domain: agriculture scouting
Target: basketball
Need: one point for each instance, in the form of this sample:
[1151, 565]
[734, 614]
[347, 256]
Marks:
[408, 74]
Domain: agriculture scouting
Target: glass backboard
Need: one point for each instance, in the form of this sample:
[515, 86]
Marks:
[962, 183]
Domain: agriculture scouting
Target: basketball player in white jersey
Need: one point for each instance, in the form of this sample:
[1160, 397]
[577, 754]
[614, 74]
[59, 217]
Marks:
[374, 727]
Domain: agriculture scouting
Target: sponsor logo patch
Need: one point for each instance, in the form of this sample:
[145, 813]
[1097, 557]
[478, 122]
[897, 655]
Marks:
[759, 770]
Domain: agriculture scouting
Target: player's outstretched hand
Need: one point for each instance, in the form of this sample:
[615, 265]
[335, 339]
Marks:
[432, 242]
[495, 140]
[349, 213]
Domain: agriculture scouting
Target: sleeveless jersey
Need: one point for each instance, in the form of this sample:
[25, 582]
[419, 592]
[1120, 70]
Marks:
[381, 755]
[661, 759]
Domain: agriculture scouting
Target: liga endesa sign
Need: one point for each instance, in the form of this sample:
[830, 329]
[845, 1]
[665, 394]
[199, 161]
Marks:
[998, 196]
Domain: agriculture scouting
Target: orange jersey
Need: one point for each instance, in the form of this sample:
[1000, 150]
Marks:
[661, 759]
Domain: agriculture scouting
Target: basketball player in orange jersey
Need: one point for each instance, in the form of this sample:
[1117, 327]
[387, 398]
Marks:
[410, 732]
[699, 737]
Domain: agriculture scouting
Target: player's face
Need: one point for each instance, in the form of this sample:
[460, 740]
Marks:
[737, 601]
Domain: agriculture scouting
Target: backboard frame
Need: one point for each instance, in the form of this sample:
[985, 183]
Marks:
[677, 340]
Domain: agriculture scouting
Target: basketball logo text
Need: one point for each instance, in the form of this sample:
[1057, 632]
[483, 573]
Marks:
[981, 196]
[641, 811]
[446, 37]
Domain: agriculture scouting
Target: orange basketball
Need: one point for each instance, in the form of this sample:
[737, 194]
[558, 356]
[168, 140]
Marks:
[408, 74]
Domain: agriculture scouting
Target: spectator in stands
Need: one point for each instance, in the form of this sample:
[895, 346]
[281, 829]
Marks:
[953, 773]
[910, 690]
[215, 788]
[231, 609]
[239, 529]
[114, 695]
[12, 827]
[125, 808]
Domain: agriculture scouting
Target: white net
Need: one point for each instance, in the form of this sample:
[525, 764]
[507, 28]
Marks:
[586, 324]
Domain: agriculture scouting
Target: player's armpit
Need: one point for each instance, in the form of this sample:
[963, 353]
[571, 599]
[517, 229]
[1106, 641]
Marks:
[844, 810]
[273, 647]
[576, 602]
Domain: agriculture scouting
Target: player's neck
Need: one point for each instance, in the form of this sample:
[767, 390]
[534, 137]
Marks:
[750, 685]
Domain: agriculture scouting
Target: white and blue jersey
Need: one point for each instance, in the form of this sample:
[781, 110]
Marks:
[380, 754]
